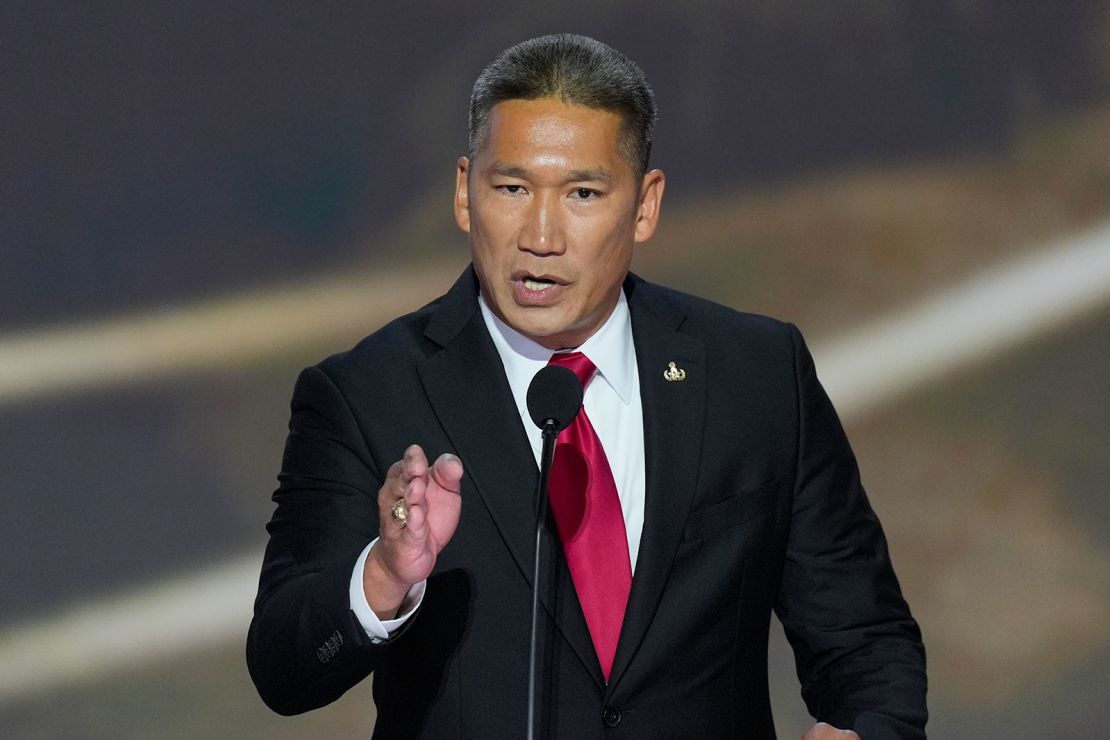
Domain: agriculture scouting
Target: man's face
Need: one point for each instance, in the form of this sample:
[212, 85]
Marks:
[553, 209]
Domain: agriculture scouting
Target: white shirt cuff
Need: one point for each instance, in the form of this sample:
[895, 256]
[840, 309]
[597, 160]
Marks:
[376, 629]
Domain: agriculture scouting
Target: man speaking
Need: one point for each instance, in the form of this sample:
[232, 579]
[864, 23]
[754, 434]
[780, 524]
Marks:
[706, 482]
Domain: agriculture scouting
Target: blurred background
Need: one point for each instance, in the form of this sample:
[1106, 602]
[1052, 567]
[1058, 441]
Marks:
[198, 199]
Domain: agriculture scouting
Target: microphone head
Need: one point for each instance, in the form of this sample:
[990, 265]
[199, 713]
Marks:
[556, 395]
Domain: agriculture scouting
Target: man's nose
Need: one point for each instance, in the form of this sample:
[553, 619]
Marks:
[542, 231]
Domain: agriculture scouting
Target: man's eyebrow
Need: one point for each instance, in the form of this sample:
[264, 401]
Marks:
[509, 170]
[599, 174]
[595, 174]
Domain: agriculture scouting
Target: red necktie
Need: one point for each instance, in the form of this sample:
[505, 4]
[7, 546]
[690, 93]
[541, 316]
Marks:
[591, 525]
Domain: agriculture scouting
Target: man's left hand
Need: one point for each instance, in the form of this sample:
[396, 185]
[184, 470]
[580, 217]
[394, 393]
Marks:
[825, 731]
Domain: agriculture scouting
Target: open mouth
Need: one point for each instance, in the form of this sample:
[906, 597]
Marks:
[537, 290]
[532, 281]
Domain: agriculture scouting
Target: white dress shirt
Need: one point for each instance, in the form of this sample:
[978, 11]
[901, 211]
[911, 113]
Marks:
[612, 402]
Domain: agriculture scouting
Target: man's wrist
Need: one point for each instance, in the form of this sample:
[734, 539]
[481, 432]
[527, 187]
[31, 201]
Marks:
[384, 593]
[377, 629]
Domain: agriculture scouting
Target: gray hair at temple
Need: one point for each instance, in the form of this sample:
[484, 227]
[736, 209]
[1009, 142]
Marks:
[577, 70]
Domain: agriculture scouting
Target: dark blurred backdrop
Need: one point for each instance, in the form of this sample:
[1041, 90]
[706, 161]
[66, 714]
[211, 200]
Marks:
[830, 163]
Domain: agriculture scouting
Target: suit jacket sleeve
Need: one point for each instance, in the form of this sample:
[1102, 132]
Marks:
[305, 647]
[858, 650]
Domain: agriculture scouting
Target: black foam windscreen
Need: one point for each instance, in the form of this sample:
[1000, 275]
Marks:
[556, 395]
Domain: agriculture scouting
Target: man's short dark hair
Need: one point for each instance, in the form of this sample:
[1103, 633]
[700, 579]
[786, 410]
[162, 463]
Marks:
[577, 70]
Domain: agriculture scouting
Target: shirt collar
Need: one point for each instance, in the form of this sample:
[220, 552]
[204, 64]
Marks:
[610, 348]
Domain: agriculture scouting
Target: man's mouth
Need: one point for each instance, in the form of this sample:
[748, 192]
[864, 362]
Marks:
[532, 281]
[537, 290]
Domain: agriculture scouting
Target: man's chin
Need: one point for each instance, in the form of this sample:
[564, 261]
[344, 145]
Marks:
[548, 334]
[550, 338]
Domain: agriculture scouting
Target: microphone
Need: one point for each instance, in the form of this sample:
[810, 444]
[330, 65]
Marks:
[554, 399]
[554, 396]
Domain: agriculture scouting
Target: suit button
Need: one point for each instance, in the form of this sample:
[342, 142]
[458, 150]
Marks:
[611, 716]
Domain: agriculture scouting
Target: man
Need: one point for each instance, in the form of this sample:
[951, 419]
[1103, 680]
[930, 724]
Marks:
[734, 490]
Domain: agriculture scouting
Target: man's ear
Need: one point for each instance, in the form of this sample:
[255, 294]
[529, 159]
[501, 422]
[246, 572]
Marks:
[651, 200]
[462, 194]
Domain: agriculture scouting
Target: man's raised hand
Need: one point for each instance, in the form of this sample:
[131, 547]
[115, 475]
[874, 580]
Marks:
[411, 539]
[824, 731]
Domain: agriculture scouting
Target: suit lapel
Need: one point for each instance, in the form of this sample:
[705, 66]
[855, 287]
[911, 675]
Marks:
[466, 387]
[674, 413]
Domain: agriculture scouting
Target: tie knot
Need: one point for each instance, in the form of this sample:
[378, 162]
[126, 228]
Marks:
[577, 363]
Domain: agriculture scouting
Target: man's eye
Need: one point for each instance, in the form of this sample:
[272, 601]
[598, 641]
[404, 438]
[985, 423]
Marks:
[511, 189]
[585, 193]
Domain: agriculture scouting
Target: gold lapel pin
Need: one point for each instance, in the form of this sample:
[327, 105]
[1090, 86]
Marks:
[673, 373]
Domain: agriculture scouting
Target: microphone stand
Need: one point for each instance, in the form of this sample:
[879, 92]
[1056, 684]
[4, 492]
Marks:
[550, 432]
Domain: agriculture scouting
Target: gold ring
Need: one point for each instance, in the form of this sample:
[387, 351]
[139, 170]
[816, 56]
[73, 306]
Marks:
[400, 513]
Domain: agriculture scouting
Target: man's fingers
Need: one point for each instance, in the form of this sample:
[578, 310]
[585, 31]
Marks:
[825, 731]
[417, 520]
[415, 491]
[447, 471]
[404, 496]
[395, 471]
[414, 463]
[400, 477]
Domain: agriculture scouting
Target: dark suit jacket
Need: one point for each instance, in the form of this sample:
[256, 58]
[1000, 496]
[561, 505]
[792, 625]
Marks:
[753, 503]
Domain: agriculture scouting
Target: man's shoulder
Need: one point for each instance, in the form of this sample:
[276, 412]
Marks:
[706, 318]
[396, 345]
